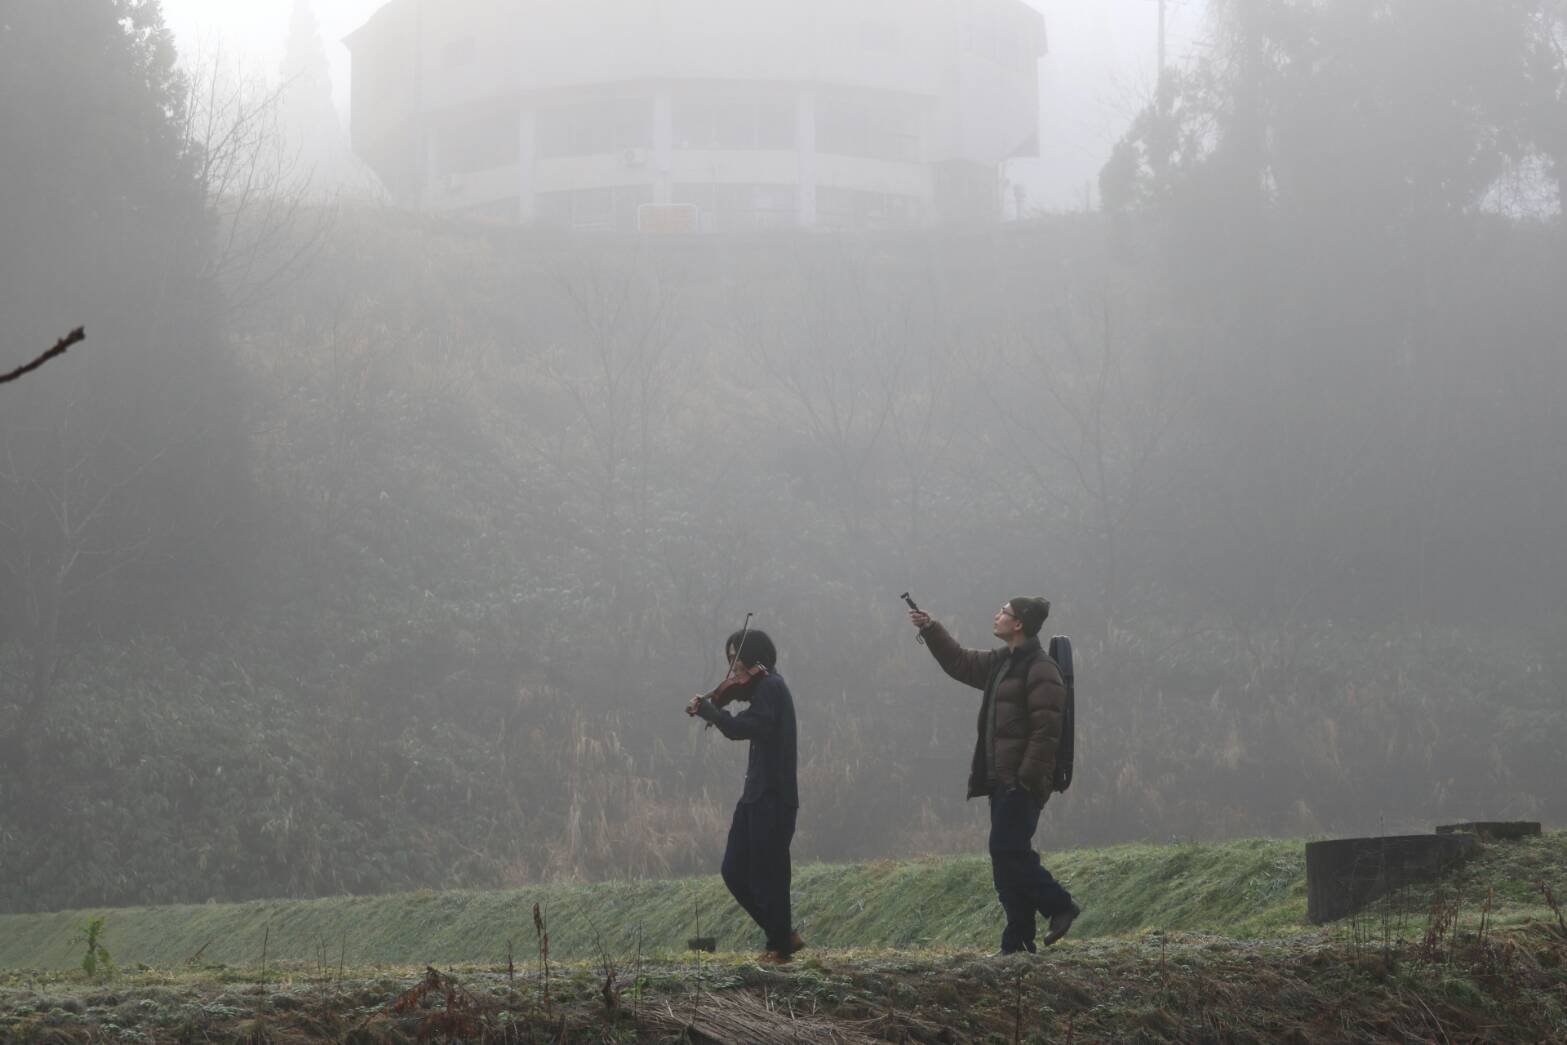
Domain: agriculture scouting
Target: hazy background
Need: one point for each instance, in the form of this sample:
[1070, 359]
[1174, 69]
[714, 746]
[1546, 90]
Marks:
[360, 550]
[1100, 71]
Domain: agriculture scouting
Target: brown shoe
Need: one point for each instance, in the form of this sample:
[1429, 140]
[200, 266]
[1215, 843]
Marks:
[772, 958]
[796, 943]
[1060, 923]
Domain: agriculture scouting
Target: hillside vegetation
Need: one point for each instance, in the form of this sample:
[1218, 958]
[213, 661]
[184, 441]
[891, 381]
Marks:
[1179, 943]
[1245, 889]
[360, 551]
[459, 617]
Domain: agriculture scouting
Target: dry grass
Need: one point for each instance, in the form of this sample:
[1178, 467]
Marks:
[750, 1017]
[1507, 985]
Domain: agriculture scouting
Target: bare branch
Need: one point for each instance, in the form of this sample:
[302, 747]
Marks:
[74, 337]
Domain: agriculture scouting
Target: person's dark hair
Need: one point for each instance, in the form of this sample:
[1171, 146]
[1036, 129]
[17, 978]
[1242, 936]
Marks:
[1032, 612]
[756, 648]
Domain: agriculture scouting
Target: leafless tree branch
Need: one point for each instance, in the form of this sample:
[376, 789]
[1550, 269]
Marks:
[74, 337]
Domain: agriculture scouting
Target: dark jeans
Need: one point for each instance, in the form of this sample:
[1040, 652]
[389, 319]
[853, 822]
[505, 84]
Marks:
[756, 865]
[1022, 883]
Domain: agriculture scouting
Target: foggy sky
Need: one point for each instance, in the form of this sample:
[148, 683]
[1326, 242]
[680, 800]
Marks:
[1100, 68]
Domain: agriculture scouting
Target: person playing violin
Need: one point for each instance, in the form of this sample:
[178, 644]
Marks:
[756, 859]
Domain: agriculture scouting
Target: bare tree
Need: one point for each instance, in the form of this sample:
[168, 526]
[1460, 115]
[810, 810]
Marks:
[1098, 417]
[612, 358]
[827, 344]
[927, 329]
[80, 511]
[109, 473]
[271, 217]
[611, 352]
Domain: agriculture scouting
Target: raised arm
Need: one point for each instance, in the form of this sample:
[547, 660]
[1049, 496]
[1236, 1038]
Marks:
[971, 667]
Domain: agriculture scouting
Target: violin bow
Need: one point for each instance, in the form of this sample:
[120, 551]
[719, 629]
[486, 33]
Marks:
[745, 629]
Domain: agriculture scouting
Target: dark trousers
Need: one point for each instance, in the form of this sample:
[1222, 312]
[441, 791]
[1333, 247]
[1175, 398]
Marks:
[1022, 883]
[756, 865]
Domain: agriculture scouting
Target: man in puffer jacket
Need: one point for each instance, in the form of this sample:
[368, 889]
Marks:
[1014, 759]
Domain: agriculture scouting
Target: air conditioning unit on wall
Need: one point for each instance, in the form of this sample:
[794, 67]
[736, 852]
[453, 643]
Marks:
[633, 157]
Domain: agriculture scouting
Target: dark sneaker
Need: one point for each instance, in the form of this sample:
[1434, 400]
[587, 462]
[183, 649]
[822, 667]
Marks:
[796, 942]
[1060, 923]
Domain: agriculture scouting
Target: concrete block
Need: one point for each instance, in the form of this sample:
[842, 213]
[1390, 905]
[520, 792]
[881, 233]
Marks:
[1343, 875]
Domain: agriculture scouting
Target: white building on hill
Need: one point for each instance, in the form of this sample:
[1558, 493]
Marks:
[698, 114]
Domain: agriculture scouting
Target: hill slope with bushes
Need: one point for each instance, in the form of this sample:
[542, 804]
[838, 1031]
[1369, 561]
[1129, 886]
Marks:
[1180, 943]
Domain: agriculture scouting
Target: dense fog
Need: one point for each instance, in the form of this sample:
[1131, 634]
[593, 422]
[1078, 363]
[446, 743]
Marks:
[370, 541]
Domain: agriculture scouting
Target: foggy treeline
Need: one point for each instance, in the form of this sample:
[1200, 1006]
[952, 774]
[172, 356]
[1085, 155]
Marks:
[359, 551]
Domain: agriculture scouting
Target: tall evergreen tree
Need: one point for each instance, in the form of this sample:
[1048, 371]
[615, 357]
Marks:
[1318, 188]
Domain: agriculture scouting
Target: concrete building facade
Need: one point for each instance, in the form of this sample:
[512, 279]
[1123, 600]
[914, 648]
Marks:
[697, 115]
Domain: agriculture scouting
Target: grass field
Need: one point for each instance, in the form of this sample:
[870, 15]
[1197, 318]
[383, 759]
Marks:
[1177, 943]
[1246, 888]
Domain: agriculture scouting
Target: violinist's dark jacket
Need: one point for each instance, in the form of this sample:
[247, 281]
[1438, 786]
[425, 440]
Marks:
[768, 723]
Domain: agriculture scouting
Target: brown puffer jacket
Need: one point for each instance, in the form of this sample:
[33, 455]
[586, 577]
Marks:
[1028, 712]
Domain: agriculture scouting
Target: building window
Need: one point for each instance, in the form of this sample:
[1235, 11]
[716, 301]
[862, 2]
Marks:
[606, 125]
[1003, 36]
[714, 123]
[629, 199]
[593, 210]
[839, 208]
[774, 206]
[872, 126]
[732, 207]
[497, 212]
[965, 190]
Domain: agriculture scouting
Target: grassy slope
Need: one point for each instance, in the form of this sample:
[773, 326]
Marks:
[1241, 889]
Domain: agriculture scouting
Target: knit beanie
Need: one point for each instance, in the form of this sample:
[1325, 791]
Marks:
[1032, 612]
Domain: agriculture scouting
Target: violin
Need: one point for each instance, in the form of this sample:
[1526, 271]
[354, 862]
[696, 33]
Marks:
[740, 680]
